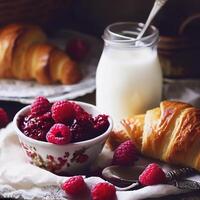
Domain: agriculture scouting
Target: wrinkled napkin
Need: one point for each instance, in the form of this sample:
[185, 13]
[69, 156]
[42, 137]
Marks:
[19, 179]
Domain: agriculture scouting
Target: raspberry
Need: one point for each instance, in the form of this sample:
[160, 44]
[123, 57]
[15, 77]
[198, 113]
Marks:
[74, 186]
[37, 127]
[103, 191]
[40, 106]
[63, 112]
[101, 124]
[152, 175]
[3, 118]
[125, 154]
[59, 134]
[82, 128]
[77, 49]
[79, 111]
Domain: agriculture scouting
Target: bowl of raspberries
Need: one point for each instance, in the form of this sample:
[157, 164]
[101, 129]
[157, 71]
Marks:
[62, 137]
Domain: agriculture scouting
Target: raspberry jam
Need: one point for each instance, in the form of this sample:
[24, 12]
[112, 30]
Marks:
[81, 124]
[36, 127]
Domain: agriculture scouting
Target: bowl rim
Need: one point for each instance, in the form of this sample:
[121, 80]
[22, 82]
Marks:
[85, 142]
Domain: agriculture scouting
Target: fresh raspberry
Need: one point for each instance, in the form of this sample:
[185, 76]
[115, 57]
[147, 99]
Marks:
[101, 124]
[40, 106]
[59, 134]
[77, 49]
[82, 128]
[152, 175]
[37, 127]
[3, 118]
[125, 154]
[79, 111]
[103, 191]
[74, 186]
[63, 112]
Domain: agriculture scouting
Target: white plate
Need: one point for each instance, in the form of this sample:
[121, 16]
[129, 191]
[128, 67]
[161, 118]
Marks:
[26, 91]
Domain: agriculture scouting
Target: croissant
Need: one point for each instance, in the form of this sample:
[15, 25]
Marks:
[25, 54]
[170, 133]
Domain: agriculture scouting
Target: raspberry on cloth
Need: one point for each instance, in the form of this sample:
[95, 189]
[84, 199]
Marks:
[18, 178]
[125, 154]
[4, 119]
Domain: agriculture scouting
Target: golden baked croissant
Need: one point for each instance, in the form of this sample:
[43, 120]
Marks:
[26, 55]
[170, 133]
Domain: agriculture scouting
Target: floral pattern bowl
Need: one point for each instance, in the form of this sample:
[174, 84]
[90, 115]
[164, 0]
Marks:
[70, 158]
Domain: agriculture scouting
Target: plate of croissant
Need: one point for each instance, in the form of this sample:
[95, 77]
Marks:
[59, 66]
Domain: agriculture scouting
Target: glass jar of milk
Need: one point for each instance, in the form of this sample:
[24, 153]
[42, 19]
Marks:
[128, 77]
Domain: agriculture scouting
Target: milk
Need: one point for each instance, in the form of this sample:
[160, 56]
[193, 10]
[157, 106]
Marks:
[128, 81]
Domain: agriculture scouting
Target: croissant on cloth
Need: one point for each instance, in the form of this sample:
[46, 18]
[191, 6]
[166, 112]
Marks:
[25, 54]
[170, 133]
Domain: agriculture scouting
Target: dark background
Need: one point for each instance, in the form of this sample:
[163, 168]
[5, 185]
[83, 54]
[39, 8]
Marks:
[92, 16]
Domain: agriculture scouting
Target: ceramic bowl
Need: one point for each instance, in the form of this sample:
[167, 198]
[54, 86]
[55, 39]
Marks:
[71, 158]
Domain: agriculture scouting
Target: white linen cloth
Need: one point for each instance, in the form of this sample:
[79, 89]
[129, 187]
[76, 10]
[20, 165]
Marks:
[19, 179]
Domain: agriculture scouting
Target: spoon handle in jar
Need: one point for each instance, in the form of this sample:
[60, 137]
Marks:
[156, 7]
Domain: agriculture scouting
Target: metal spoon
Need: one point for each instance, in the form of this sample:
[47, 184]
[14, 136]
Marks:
[121, 176]
[125, 177]
[156, 7]
[158, 4]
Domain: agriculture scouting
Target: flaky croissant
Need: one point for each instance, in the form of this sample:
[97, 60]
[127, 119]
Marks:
[170, 133]
[25, 54]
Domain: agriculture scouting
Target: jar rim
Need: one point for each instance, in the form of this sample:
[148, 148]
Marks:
[113, 38]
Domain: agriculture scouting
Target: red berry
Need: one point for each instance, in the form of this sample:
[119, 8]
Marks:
[63, 112]
[74, 186]
[77, 49]
[36, 127]
[3, 118]
[40, 106]
[125, 154]
[103, 191]
[59, 134]
[82, 128]
[152, 175]
[79, 111]
[101, 124]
